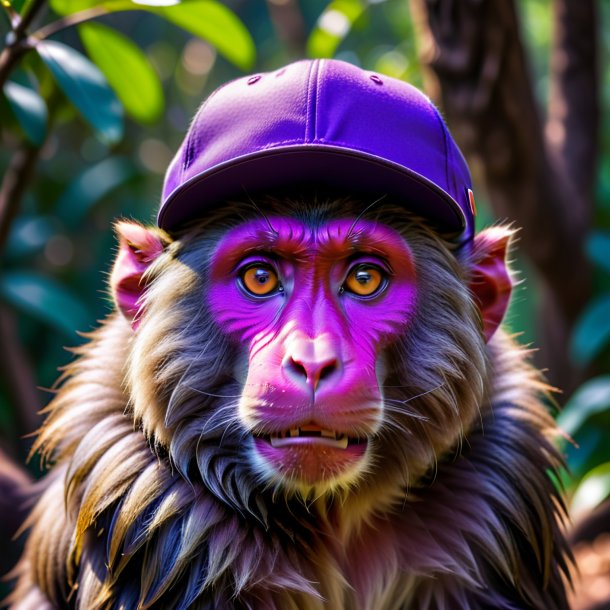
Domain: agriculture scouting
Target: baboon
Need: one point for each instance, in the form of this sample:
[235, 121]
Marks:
[304, 398]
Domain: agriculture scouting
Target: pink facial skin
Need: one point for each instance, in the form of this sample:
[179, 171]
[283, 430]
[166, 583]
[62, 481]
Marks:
[314, 346]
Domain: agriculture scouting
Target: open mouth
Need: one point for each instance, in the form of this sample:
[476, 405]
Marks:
[311, 434]
[311, 455]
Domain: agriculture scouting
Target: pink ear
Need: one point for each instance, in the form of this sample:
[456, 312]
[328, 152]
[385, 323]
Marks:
[491, 283]
[138, 247]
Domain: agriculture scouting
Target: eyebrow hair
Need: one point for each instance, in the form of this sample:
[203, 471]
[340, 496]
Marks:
[366, 209]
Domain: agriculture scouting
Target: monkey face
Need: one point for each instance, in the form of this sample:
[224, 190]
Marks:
[310, 351]
[316, 308]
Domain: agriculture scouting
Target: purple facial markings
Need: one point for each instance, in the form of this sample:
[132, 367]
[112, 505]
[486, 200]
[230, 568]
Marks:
[312, 301]
[337, 296]
[313, 263]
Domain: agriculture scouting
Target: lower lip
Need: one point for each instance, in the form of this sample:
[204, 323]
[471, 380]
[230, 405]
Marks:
[310, 461]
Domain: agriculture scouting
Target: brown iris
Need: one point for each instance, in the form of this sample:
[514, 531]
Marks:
[364, 280]
[260, 280]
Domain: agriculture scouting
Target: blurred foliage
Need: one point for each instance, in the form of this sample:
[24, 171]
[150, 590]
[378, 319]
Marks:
[585, 418]
[67, 97]
[155, 60]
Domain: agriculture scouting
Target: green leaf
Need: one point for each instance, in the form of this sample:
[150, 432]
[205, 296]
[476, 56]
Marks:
[594, 488]
[592, 331]
[90, 187]
[126, 69]
[217, 24]
[207, 19]
[29, 234]
[393, 63]
[591, 398]
[68, 7]
[44, 299]
[29, 109]
[86, 87]
[157, 2]
[20, 5]
[598, 249]
[590, 450]
[333, 26]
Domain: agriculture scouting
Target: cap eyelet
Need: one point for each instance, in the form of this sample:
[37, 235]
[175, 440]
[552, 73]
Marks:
[254, 79]
[376, 79]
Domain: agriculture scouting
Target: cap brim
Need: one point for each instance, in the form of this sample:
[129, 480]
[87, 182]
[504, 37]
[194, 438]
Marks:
[338, 169]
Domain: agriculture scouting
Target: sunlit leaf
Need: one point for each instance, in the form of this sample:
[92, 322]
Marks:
[333, 26]
[86, 87]
[157, 2]
[16, 5]
[592, 331]
[598, 249]
[19, 5]
[67, 7]
[590, 398]
[29, 110]
[217, 24]
[594, 488]
[45, 299]
[393, 63]
[91, 186]
[127, 70]
[207, 19]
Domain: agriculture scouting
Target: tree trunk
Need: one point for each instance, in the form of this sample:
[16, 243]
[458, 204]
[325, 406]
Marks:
[541, 179]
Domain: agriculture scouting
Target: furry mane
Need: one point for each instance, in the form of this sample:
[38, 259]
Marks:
[155, 505]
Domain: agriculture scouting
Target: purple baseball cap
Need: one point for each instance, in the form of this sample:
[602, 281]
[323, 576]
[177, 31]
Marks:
[320, 123]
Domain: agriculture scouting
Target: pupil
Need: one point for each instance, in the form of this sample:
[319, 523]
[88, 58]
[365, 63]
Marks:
[261, 276]
[363, 277]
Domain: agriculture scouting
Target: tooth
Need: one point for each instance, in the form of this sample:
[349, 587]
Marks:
[295, 432]
[328, 433]
[277, 440]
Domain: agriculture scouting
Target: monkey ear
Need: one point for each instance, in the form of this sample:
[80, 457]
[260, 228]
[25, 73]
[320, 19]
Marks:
[138, 248]
[490, 282]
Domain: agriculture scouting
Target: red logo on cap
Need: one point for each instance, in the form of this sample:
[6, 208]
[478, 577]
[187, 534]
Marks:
[473, 207]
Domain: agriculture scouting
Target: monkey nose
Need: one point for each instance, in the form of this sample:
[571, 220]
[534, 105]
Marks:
[310, 363]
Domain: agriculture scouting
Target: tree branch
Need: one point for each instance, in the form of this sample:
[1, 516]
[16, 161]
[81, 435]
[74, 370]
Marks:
[18, 375]
[69, 21]
[8, 59]
[20, 30]
[13, 187]
[17, 41]
[289, 25]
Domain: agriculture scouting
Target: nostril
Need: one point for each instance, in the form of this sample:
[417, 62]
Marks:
[327, 370]
[310, 374]
[297, 369]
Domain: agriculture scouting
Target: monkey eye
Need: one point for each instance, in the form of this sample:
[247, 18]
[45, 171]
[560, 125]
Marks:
[365, 280]
[260, 280]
